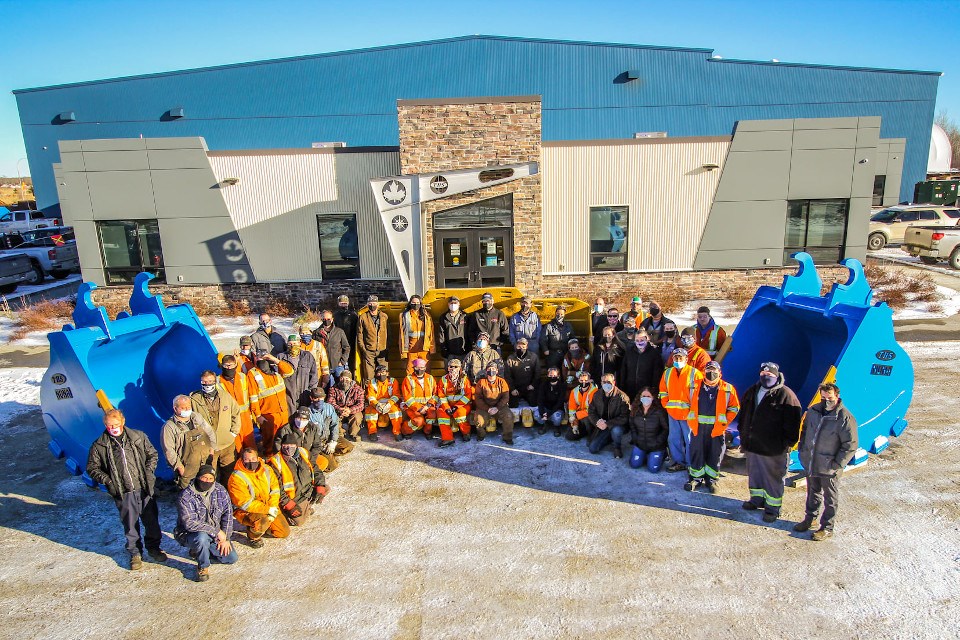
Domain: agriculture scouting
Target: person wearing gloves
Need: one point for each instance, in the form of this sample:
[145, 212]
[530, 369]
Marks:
[455, 397]
[383, 399]
[551, 401]
[578, 407]
[306, 434]
[218, 408]
[476, 363]
[676, 395]
[714, 406]
[491, 396]
[419, 400]
[123, 462]
[696, 356]
[255, 493]
[338, 347]
[302, 483]
[769, 427]
[647, 438]
[205, 522]
[827, 444]
[323, 416]
[187, 441]
[609, 413]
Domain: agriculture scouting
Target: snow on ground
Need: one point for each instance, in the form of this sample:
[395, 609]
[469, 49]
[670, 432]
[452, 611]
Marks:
[899, 255]
[24, 290]
[19, 391]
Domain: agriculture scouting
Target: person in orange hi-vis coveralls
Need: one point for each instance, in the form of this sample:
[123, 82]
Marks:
[268, 397]
[578, 407]
[677, 386]
[416, 332]
[383, 399]
[454, 393]
[235, 383]
[419, 394]
[714, 405]
[255, 493]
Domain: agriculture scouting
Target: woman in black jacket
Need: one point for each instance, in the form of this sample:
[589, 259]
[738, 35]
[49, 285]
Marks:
[648, 431]
[607, 354]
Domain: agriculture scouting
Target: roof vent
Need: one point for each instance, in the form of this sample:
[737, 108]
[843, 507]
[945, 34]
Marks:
[67, 116]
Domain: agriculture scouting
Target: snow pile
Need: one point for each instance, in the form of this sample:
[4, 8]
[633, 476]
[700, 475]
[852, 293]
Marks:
[19, 391]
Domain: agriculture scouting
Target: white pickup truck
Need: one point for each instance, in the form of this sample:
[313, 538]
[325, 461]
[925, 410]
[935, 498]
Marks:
[52, 251]
[933, 244]
[20, 221]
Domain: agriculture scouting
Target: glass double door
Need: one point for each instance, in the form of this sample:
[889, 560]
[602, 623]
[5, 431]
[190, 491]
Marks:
[468, 258]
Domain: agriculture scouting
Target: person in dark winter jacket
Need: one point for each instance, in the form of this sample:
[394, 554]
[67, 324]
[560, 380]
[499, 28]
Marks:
[205, 522]
[551, 402]
[609, 413]
[305, 374]
[305, 433]
[769, 427]
[452, 331]
[124, 462]
[647, 438]
[491, 321]
[335, 341]
[607, 354]
[522, 373]
[347, 320]
[827, 444]
[555, 337]
[641, 365]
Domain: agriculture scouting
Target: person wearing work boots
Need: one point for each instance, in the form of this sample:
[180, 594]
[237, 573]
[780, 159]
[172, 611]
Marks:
[347, 399]
[715, 405]
[491, 396]
[676, 391]
[383, 400]
[647, 438]
[305, 374]
[455, 397]
[769, 427]
[372, 338]
[551, 402]
[696, 357]
[641, 365]
[710, 337]
[187, 441]
[419, 400]
[255, 493]
[489, 320]
[330, 435]
[452, 331]
[525, 324]
[266, 338]
[476, 363]
[827, 444]
[123, 461]
[654, 323]
[205, 522]
[302, 483]
[555, 337]
[609, 413]
[578, 408]
[222, 413]
[522, 373]
[338, 347]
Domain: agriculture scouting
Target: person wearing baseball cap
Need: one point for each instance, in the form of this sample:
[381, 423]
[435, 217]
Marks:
[714, 406]
[769, 428]
[452, 331]
[346, 319]
[675, 396]
[635, 312]
[372, 338]
[383, 406]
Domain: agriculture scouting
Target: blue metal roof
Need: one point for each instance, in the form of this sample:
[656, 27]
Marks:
[351, 96]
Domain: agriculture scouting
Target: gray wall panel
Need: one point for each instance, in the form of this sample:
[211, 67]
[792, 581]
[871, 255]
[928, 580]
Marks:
[825, 123]
[821, 173]
[754, 175]
[762, 141]
[869, 137]
[864, 171]
[178, 159]
[825, 139]
[175, 143]
[74, 196]
[739, 258]
[758, 223]
[121, 194]
[71, 161]
[115, 161]
[113, 144]
[765, 125]
[186, 193]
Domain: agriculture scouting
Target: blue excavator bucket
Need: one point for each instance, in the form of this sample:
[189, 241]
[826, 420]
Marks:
[840, 337]
[137, 363]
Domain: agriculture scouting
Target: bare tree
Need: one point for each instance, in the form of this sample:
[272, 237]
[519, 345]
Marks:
[953, 134]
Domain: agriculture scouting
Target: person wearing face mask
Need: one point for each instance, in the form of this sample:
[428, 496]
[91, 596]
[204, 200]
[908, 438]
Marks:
[268, 397]
[123, 462]
[714, 406]
[522, 373]
[455, 397]
[607, 354]
[629, 331]
[489, 320]
[305, 434]
[709, 336]
[635, 312]
[234, 382]
[671, 340]
[302, 483]
[265, 338]
[676, 395]
[319, 352]
[255, 493]
[416, 332]
[205, 522]
[218, 408]
[551, 402]
[347, 320]
[491, 396]
[609, 318]
[305, 374]
[697, 357]
[372, 338]
[324, 427]
[187, 441]
[609, 412]
[598, 317]
[383, 403]
[338, 347]
[654, 323]
[578, 408]
[575, 360]
[827, 444]
[476, 363]
[647, 437]
[769, 425]
[347, 399]
[526, 324]
[245, 355]
[554, 338]
[641, 365]
[452, 331]
[419, 400]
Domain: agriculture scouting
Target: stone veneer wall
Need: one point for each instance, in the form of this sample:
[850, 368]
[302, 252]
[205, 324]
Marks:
[471, 133]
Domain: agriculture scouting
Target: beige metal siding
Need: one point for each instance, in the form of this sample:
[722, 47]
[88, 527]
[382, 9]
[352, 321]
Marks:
[665, 185]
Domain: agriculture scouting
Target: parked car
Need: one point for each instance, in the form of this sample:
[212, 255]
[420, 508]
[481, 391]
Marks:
[26, 221]
[888, 225]
[933, 244]
[15, 268]
[52, 251]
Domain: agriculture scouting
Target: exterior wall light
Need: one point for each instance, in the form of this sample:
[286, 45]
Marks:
[229, 182]
[710, 166]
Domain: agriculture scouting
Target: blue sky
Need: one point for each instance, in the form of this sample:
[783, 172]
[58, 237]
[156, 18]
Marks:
[59, 41]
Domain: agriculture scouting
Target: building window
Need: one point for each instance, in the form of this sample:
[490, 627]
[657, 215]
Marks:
[879, 183]
[492, 212]
[818, 227]
[608, 238]
[129, 247]
[339, 245]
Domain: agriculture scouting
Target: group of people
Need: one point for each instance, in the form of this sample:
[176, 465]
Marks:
[638, 384]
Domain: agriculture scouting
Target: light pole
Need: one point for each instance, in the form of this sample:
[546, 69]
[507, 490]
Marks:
[20, 178]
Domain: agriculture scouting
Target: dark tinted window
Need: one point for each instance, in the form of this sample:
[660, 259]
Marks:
[952, 213]
[818, 227]
[929, 215]
[909, 216]
[129, 247]
[339, 245]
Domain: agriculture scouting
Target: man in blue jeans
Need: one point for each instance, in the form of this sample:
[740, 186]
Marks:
[609, 413]
[205, 522]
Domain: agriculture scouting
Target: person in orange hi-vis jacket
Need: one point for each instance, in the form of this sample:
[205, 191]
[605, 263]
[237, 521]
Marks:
[416, 332]
[676, 396]
[714, 404]
[419, 394]
[578, 407]
[236, 384]
[383, 399]
[268, 397]
[454, 393]
[697, 356]
[255, 493]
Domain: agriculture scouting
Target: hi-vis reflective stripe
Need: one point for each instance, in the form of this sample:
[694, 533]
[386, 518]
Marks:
[415, 334]
[710, 471]
[696, 473]
[712, 345]
[462, 399]
[243, 507]
[266, 392]
[702, 419]
[770, 500]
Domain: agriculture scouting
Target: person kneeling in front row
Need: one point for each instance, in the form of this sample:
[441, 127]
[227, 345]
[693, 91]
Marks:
[647, 438]
[205, 522]
[255, 493]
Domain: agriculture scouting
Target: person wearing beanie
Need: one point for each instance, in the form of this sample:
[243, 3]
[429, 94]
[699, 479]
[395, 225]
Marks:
[714, 406]
[205, 522]
[454, 399]
[416, 332]
[419, 400]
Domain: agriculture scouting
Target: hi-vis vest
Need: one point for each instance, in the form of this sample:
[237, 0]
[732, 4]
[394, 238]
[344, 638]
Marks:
[711, 337]
[578, 406]
[676, 391]
[284, 473]
[728, 406]
[415, 394]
